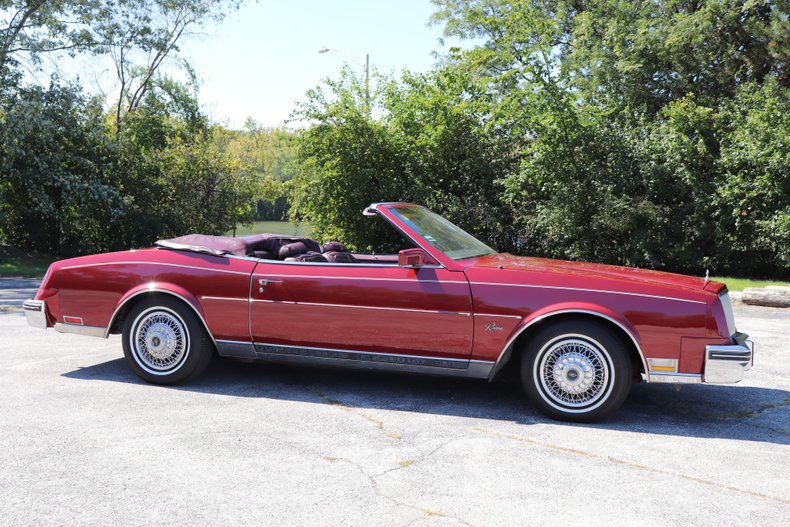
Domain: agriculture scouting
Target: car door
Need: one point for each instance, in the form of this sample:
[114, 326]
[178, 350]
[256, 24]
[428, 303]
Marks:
[391, 311]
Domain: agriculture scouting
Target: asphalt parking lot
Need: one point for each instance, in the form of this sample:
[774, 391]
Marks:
[85, 442]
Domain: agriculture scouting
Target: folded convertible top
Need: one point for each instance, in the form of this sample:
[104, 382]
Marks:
[243, 246]
[203, 243]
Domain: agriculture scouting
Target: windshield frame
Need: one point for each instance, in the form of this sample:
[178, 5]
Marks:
[432, 239]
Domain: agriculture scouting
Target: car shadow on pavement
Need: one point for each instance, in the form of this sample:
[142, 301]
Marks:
[724, 412]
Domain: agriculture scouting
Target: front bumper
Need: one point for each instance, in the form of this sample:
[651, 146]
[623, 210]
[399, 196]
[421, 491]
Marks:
[36, 313]
[725, 364]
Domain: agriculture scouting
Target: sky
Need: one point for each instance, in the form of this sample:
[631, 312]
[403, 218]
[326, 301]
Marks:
[262, 59]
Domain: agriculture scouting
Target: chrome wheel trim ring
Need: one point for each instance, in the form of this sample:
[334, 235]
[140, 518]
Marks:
[574, 373]
[159, 341]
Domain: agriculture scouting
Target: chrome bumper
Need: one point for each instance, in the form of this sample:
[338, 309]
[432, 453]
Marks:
[35, 312]
[725, 364]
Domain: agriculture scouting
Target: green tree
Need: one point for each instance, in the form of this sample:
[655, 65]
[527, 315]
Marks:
[624, 113]
[429, 145]
[141, 35]
[345, 161]
[173, 177]
[56, 188]
[268, 153]
[35, 27]
[68, 185]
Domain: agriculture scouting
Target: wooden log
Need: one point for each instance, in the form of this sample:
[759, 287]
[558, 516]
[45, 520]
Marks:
[772, 296]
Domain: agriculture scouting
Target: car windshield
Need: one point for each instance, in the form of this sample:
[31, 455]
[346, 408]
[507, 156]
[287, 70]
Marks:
[442, 234]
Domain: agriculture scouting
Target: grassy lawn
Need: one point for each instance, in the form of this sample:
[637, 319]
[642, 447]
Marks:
[18, 262]
[272, 227]
[739, 284]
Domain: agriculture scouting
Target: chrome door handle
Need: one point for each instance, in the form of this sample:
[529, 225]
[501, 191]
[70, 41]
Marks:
[263, 282]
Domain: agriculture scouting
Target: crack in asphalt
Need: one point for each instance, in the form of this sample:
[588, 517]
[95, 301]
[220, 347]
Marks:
[413, 462]
[630, 464]
[378, 423]
[373, 478]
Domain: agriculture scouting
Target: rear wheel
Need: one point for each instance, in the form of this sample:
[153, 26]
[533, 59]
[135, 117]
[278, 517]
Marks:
[164, 342]
[576, 370]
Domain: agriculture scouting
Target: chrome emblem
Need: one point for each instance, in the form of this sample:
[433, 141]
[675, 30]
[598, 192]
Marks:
[492, 326]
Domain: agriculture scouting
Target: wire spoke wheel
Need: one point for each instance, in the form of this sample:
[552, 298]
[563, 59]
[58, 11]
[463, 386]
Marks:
[160, 341]
[576, 369]
[574, 372]
[165, 340]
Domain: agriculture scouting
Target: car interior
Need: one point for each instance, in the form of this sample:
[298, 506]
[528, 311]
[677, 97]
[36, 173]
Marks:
[274, 247]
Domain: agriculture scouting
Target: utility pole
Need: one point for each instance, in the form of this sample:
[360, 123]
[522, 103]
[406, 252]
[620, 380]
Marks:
[357, 60]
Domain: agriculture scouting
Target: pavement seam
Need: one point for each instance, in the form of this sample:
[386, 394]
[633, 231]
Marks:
[630, 464]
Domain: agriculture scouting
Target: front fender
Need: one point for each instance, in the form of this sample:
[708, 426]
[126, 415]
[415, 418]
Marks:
[564, 308]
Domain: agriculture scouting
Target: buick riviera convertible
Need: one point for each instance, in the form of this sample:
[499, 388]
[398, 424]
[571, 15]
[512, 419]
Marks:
[578, 334]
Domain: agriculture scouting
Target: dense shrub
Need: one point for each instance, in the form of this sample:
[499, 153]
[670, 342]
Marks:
[70, 185]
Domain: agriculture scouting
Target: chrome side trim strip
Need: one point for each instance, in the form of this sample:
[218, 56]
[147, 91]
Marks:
[230, 299]
[494, 315]
[373, 360]
[347, 265]
[158, 263]
[590, 291]
[504, 355]
[460, 313]
[674, 378]
[158, 290]
[414, 280]
[78, 329]
[456, 363]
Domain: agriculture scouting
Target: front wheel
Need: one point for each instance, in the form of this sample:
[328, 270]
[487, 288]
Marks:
[576, 370]
[164, 342]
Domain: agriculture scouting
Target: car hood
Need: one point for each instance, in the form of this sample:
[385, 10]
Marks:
[562, 271]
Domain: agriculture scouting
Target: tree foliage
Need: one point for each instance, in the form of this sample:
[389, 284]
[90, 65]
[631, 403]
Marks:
[70, 185]
[76, 177]
[267, 153]
[644, 133]
[56, 190]
[427, 147]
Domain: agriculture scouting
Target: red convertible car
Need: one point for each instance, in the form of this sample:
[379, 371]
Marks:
[579, 334]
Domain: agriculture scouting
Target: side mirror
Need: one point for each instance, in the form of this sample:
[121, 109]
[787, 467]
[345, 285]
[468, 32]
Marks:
[415, 257]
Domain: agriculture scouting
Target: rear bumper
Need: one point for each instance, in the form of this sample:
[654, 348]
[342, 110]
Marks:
[36, 314]
[725, 364]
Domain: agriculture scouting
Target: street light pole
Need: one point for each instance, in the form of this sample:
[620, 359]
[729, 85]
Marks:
[356, 59]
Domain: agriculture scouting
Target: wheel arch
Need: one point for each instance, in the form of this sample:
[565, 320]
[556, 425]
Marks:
[543, 318]
[137, 295]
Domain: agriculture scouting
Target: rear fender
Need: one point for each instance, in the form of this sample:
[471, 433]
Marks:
[159, 288]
